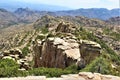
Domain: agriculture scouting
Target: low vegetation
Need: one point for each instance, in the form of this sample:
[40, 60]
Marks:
[9, 68]
[108, 57]
[25, 51]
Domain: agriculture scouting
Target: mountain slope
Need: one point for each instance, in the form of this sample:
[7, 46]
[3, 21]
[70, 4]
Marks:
[28, 15]
[72, 43]
[100, 13]
[7, 18]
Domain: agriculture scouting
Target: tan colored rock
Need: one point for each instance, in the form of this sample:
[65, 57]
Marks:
[109, 77]
[8, 57]
[88, 49]
[13, 53]
[62, 27]
[97, 76]
[63, 52]
[6, 53]
[56, 52]
[72, 77]
[86, 75]
[81, 76]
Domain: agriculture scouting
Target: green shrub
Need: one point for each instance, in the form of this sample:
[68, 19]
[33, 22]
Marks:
[73, 68]
[106, 31]
[25, 51]
[41, 37]
[21, 42]
[9, 68]
[44, 30]
[49, 72]
[99, 65]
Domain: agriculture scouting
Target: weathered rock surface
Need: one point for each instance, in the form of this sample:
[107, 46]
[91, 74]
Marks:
[89, 50]
[80, 76]
[56, 52]
[63, 52]
[16, 55]
[65, 27]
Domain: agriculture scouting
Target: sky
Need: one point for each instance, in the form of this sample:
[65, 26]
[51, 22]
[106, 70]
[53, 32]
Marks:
[75, 4]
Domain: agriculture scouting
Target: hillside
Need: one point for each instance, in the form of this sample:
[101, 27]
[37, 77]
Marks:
[7, 18]
[56, 45]
[27, 15]
[114, 20]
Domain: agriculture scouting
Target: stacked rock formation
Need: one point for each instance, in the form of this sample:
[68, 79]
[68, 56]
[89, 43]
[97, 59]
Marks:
[16, 55]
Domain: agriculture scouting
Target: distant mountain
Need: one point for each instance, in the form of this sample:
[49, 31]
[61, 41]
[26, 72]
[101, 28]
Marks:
[100, 13]
[28, 15]
[40, 7]
[7, 18]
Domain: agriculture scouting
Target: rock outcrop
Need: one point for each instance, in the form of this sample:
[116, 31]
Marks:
[56, 52]
[89, 50]
[62, 52]
[80, 76]
[16, 55]
[65, 27]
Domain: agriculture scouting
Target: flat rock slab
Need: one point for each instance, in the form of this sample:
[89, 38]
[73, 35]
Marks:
[80, 76]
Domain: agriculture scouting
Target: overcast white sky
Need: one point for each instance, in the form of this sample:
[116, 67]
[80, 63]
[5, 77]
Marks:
[77, 3]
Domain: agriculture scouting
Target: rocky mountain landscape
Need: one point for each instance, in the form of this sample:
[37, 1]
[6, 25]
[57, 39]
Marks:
[27, 15]
[70, 47]
[7, 18]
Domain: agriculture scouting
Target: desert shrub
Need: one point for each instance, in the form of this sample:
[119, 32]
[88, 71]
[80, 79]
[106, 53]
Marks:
[25, 51]
[44, 30]
[108, 56]
[9, 68]
[99, 65]
[115, 35]
[49, 72]
[73, 68]
[83, 34]
[106, 31]
[22, 40]
[41, 37]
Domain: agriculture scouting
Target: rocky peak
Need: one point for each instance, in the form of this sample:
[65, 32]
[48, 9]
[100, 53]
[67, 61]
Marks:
[65, 27]
[3, 10]
[21, 10]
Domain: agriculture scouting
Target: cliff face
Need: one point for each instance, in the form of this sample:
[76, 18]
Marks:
[56, 52]
[89, 50]
[63, 52]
